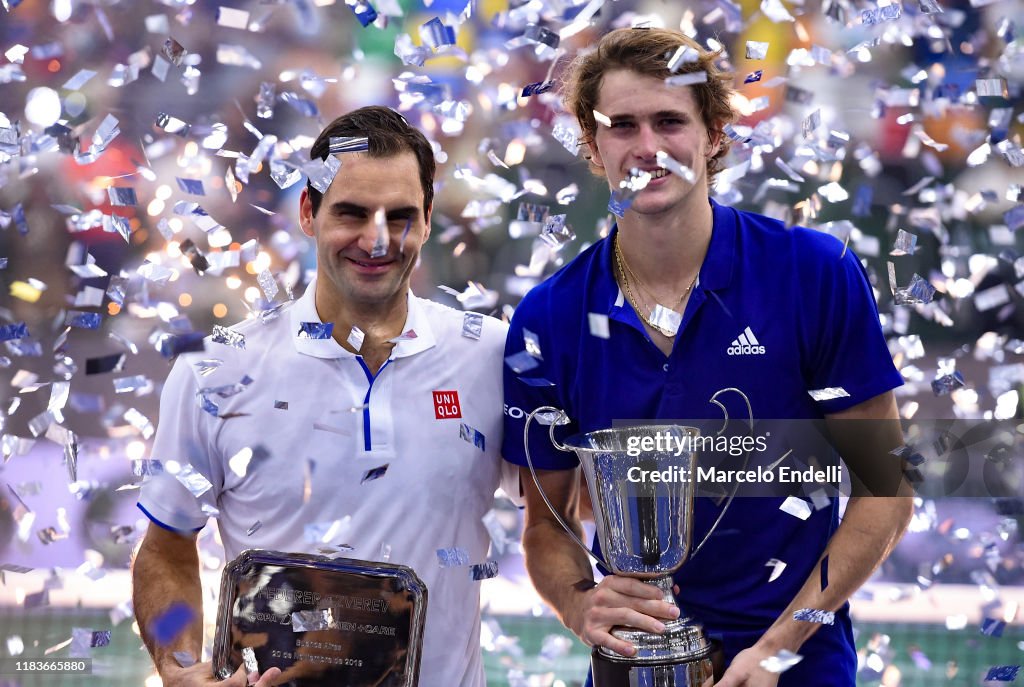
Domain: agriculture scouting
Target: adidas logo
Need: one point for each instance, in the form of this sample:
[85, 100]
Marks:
[745, 344]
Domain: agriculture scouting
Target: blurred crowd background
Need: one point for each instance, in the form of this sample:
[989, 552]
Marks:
[151, 159]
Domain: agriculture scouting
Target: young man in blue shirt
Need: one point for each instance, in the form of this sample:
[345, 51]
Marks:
[785, 315]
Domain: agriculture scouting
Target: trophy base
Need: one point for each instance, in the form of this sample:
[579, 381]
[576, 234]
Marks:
[611, 673]
[681, 657]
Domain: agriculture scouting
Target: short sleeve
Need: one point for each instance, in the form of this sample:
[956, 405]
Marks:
[845, 349]
[528, 389]
[181, 436]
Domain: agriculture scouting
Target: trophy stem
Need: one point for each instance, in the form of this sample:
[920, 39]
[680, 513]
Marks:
[665, 585]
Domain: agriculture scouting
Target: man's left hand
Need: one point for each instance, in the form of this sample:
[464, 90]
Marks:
[746, 671]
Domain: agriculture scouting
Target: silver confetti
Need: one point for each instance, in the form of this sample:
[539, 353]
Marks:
[265, 100]
[906, 243]
[796, 507]
[78, 80]
[820, 499]
[684, 54]
[756, 50]
[173, 51]
[104, 134]
[228, 337]
[249, 658]
[355, 338]
[991, 298]
[781, 662]
[195, 482]
[407, 335]
[380, 242]
[828, 393]
[349, 144]
[598, 324]
[568, 135]
[568, 194]
[116, 224]
[532, 343]
[919, 291]
[452, 557]
[945, 384]
[814, 615]
[312, 620]
[881, 14]
[237, 56]
[472, 325]
[777, 568]
[775, 11]
[268, 284]
[687, 79]
[499, 537]
[995, 88]
[125, 385]
[321, 174]
[122, 196]
[483, 571]
[666, 319]
[471, 435]
[232, 18]
[315, 330]
[521, 362]
[83, 320]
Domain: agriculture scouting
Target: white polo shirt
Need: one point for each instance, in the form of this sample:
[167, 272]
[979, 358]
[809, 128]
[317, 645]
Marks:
[318, 424]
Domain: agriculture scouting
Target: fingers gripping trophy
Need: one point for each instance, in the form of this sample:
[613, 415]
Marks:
[645, 529]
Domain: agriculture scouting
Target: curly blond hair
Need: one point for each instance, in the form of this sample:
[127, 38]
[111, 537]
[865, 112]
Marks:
[647, 51]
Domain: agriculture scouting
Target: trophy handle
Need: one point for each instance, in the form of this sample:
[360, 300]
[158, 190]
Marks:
[746, 458]
[561, 447]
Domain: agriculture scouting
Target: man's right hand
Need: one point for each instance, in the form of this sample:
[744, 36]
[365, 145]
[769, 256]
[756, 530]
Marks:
[618, 601]
[202, 674]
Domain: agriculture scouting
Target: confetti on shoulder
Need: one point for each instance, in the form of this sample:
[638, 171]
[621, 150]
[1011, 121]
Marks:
[315, 330]
[228, 337]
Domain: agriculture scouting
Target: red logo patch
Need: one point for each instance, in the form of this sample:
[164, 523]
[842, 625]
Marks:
[446, 405]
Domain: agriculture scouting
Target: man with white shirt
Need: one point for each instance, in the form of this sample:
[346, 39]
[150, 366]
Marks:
[361, 406]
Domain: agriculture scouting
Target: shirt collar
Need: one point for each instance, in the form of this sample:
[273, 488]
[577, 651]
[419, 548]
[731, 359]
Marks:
[715, 272]
[416, 320]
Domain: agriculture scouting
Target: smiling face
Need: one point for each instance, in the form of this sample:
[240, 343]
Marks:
[345, 231]
[647, 116]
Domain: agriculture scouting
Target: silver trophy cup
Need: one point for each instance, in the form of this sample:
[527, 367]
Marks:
[643, 508]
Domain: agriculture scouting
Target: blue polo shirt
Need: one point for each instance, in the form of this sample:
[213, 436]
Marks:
[776, 312]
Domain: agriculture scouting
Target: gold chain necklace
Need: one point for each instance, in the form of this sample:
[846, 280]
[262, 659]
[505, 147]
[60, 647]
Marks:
[626, 272]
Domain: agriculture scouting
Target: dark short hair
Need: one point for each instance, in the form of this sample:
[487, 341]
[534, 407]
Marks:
[388, 134]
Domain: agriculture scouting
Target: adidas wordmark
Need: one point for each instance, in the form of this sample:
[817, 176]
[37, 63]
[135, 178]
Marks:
[745, 344]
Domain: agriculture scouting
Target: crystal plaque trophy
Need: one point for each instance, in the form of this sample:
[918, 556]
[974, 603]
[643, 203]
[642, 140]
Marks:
[322, 621]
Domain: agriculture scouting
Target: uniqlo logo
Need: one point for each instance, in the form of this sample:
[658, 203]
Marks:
[446, 405]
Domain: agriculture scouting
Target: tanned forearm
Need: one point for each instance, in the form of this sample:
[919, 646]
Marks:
[166, 572]
[865, 436]
[559, 569]
[870, 530]
[561, 572]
